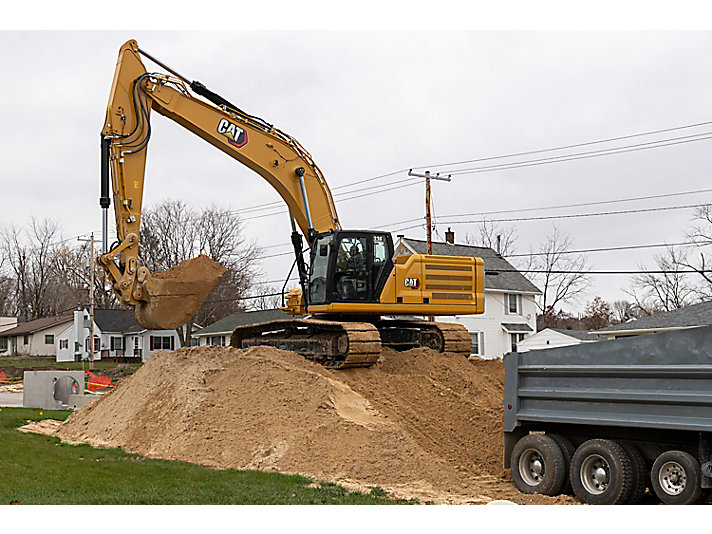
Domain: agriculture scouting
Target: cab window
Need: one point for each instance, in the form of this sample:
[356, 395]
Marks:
[320, 265]
[351, 271]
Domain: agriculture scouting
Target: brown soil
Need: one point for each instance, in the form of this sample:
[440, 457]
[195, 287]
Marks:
[174, 295]
[417, 424]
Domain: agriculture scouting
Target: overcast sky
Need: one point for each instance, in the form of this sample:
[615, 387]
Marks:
[368, 103]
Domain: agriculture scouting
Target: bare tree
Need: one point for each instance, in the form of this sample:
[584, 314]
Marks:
[560, 275]
[72, 266]
[488, 232]
[701, 261]
[6, 283]
[623, 311]
[172, 232]
[668, 290]
[30, 257]
[266, 298]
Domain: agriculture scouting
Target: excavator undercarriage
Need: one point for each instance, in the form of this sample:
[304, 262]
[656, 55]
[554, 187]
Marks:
[345, 344]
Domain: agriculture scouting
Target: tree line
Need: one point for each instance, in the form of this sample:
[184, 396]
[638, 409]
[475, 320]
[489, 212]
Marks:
[42, 274]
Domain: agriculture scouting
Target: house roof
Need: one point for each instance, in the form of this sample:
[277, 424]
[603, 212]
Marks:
[116, 321]
[229, 323]
[583, 335]
[689, 316]
[30, 327]
[517, 327]
[508, 279]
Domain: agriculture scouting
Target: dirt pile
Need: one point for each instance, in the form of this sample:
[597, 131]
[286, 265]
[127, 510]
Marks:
[418, 424]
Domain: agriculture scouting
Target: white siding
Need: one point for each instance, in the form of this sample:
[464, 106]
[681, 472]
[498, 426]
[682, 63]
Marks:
[36, 345]
[548, 339]
[497, 342]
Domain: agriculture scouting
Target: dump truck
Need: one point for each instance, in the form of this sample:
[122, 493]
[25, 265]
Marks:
[610, 419]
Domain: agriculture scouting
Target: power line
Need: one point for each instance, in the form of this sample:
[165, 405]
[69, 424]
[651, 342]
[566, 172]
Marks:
[541, 208]
[565, 147]
[561, 206]
[570, 216]
[585, 155]
[245, 298]
[544, 271]
[610, 249]
[528, 153]
[268, 205]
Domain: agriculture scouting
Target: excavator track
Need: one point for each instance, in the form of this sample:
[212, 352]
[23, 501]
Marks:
[333, 344]
[347, 344]
[451, 338]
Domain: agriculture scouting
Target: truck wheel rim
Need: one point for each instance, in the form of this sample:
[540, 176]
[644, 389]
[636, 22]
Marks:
[531, 467]
[595, 474]
[672, 478]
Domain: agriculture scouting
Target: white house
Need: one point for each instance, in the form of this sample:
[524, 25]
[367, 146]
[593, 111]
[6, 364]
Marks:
[34, 338]
[117, 336]
[550, 338]
[220, 331]
[510, 305]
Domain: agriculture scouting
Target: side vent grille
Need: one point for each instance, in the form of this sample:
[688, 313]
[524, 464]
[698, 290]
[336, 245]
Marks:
[452, 282]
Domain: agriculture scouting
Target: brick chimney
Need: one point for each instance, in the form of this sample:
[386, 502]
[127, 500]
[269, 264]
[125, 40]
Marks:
[450, 236]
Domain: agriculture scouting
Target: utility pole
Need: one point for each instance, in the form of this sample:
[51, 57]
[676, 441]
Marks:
[91, 301]
[428, 218]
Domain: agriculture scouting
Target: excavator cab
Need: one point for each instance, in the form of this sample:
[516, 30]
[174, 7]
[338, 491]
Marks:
[349, 266]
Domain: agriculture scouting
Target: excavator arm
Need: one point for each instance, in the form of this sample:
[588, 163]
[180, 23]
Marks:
[160, 300]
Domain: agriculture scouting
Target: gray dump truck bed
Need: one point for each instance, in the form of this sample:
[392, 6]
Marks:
[655, 381]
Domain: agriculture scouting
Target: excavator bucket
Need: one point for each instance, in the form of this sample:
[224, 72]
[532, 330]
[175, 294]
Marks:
[173, 296]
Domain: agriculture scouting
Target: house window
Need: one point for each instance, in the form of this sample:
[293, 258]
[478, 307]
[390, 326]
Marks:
[49, 339]
[162, 342]
[512, 303]
[3, 344]
[217, 340]
[136, 343]
[25, 339]
[477, 343]
[516, 338]
[117, 343]
[63, 343]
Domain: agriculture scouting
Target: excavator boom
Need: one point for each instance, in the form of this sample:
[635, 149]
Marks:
[170, 299]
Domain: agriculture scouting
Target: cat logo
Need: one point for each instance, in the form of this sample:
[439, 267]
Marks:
[413, 283]
[236, 136]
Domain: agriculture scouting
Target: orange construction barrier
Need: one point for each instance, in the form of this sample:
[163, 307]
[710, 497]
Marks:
[95, 382]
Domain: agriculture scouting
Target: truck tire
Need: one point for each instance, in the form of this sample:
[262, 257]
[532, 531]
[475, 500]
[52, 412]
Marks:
[640, 473]
[601, 472]
[568, 449]
[538, 465]
[675, 478]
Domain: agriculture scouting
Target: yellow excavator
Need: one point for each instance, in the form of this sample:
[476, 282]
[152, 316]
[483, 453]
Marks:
[356, 293]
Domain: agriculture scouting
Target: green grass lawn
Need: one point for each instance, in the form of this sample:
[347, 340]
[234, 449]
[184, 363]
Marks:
[37, 469]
